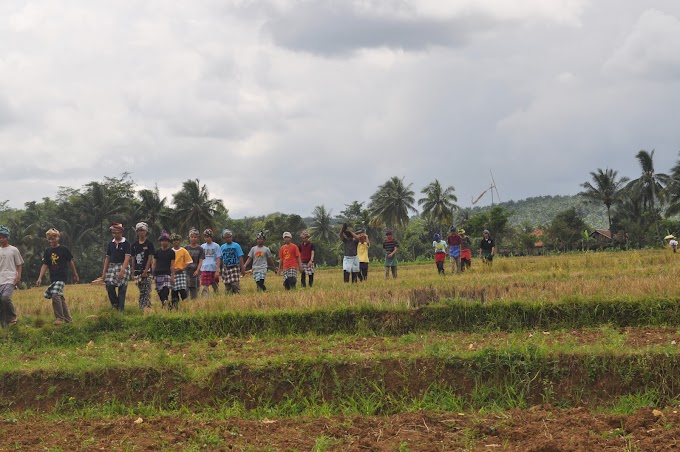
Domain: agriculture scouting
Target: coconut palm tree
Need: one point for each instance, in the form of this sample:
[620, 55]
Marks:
[322, 228]
[392, 202]
[672, 191]
[154, 211]
[194, 207]
[605, 189]
[650, 182]
[651, 185]
[438, 203]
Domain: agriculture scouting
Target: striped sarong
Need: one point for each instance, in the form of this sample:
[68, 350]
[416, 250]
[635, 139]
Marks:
[112, 275]
[180, 280]
[259, 276]
[56, 288]
[231, 274]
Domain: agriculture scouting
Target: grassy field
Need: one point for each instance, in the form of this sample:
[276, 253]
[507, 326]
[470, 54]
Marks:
[575, 351]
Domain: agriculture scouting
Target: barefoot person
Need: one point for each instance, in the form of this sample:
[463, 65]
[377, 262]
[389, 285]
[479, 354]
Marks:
[11, 263]
[307, 251]
[232, 263]
[212, 261]
[58, 259]
[290, 262]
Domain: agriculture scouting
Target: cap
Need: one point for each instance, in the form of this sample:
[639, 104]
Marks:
[287, 234]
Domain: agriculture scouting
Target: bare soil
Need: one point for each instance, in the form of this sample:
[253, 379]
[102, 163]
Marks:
[539, 428]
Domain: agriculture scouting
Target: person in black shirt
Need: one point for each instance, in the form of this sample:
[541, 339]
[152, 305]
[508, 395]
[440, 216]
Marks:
[164, 267]
[486, 247]
[57, 259]
[350, 260]
[142, 253]
[116, 271]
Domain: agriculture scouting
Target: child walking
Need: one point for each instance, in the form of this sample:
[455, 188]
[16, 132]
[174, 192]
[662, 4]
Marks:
[439, 253]
[307, 252]
[362, 253]
[116, 272]
[212, 261]
[261, 257]
[182, 261]
[391, 246]
[11, 263]
[194, 268]
[232, 263]
[454, 241]
[164, 267]
[142, 252]
[57, 259]
[290, 262]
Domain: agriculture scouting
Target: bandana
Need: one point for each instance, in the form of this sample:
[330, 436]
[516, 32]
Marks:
[4, 230]
[142, 226]
[116, 227]
[164, 236]
[304, 233]
[208, 232]
[260, 235]
[52, 233]
[227, 232]
[193, 231]
[175, 236]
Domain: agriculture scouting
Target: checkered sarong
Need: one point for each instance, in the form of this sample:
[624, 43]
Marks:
[290, 273]
[207, 278]
[259, 276]
[112, 275]
[162, 281]
[56, 288]
[180, 280]
[308, 268]
[231, 274]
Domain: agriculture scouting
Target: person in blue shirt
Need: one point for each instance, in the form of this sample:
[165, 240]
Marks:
[232, 263]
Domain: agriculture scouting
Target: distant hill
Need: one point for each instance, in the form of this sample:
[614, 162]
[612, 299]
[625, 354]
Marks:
[541, 210]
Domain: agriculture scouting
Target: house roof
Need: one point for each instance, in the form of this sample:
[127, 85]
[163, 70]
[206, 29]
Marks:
[606, 233]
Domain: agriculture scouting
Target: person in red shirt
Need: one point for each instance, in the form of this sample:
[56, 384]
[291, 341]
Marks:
[307, 252]
[454, 241]
[290, 262]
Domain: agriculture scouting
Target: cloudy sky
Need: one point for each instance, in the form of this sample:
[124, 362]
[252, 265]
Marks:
[282, 105]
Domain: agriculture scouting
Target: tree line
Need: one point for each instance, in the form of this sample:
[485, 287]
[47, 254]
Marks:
[640, 212]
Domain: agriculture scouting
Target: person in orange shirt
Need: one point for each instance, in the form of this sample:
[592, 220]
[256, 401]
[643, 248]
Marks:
[290, 261]
[182, 261]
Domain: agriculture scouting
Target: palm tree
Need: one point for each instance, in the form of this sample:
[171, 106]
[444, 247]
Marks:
[322, 228]
[194, 207]
[605, 189]
[438, 203]
[154, 211]
[672, 191]
[392, 202]
[651, 185]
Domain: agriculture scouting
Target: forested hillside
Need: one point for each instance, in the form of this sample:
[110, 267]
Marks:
[540, 210]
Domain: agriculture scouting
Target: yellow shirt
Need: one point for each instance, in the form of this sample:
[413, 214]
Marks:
[362, 251]
[182, 259]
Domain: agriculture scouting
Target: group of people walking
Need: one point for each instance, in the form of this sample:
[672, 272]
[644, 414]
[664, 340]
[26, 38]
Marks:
[181, 272]
[458, 247]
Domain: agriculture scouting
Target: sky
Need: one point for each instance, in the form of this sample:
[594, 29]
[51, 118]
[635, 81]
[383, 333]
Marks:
[283, 105]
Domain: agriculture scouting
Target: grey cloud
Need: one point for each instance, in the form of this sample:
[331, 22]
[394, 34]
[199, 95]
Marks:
[650, 50]
[336, 28]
